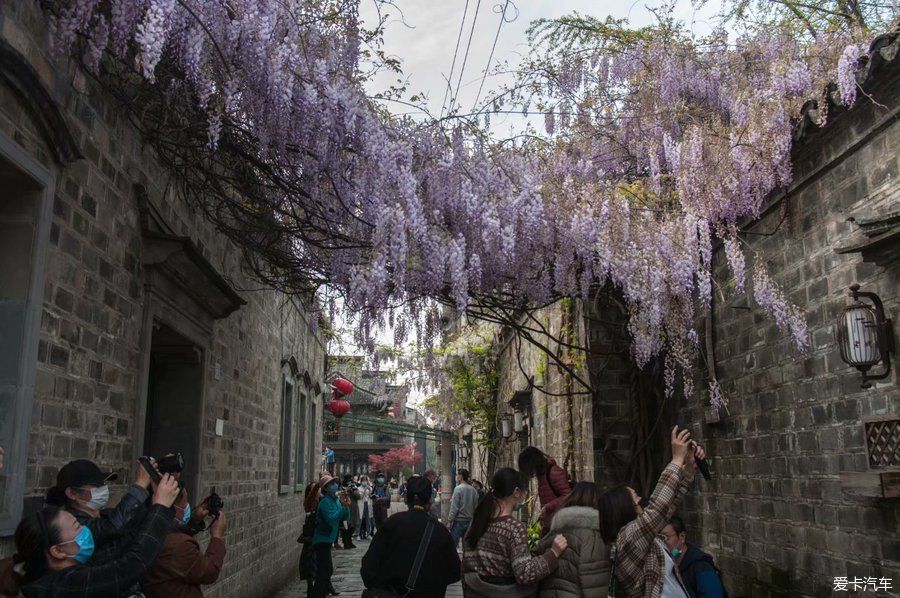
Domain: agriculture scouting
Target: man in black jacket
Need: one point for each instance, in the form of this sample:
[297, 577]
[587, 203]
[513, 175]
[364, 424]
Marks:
[698, 571]
[390, 557]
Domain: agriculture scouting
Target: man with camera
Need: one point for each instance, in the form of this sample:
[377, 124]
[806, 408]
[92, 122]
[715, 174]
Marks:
[182, 567]
[82, 489]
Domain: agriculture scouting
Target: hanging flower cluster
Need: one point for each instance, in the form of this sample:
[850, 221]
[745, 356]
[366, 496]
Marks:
[662, 145]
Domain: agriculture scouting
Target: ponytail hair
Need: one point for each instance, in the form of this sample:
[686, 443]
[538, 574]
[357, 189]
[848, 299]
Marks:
[310, 502]
[34, 536]
[56, 497]
[503, 484]
[616, 511]
[533, 461]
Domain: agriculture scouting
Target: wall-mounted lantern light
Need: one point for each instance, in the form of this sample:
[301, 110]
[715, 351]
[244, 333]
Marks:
[865, 336]
[521, 406]
[463, 450]
[518, 421]
[505, 427]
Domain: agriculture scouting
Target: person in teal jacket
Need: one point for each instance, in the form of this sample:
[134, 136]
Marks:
[329, 514]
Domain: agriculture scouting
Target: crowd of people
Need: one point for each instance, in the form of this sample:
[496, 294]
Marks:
[593, 543]
[77, 546]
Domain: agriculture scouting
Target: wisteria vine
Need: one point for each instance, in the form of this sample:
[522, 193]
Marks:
[658, 146]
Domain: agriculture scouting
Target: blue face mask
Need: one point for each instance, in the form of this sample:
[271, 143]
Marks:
[187, 514]
[85, 543]
[675, 553]
[381, 480]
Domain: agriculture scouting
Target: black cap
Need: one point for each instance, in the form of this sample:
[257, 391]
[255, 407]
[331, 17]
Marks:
[82, 472]
[418, 490]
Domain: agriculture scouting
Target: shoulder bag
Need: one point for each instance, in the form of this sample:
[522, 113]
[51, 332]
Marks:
[413, 573]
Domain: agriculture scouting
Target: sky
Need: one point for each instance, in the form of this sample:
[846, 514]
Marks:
[423, 34]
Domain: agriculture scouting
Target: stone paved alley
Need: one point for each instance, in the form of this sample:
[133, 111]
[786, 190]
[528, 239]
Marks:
[346, 577]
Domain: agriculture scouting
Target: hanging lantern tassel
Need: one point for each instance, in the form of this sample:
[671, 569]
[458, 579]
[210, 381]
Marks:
[339, 408]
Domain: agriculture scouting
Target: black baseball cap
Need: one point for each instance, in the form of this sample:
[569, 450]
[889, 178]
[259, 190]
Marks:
[418, 489]
[82, 472]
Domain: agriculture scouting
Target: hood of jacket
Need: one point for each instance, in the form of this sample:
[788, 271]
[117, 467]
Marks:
[575, 518]
[693, 555]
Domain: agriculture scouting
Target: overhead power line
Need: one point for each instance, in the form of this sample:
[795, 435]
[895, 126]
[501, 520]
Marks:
[462, 69]
[462, 24]
[487, 68]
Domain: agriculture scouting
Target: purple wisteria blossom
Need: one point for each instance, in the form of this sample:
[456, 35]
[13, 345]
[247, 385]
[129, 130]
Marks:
[663, 145]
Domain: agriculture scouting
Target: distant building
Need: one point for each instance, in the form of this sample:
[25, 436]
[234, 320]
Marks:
[373, 396]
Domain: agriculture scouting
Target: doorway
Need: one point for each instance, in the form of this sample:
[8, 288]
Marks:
[175, 402]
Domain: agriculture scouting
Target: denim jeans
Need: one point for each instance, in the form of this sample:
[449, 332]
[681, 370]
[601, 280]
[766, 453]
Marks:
[458, 529]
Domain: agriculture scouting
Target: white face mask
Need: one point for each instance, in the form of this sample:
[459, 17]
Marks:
[99, 498]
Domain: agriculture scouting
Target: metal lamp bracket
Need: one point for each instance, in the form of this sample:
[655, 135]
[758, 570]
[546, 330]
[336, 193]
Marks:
[885, 334]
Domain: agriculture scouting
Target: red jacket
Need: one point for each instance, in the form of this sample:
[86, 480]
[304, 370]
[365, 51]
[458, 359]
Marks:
[553, 488]
[182, 567]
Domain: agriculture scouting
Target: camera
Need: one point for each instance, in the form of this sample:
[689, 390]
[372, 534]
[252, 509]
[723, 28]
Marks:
[171, 464]
[214, 504]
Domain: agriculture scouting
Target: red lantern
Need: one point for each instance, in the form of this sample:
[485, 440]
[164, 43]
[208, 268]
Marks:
[338, 407]
[340, 388]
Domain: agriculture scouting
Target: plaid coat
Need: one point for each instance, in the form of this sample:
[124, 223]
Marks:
[113, 578]
[640, 560]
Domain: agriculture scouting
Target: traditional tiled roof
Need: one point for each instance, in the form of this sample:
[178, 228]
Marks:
[882, 59]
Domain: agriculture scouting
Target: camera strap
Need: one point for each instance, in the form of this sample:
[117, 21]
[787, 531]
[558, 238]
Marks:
[420, 557]
[613, 558]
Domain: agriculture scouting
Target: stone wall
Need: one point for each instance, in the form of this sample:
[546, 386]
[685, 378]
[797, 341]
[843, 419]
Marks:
[98, 316]
[554, 418]
[784, 514]
[778, 516]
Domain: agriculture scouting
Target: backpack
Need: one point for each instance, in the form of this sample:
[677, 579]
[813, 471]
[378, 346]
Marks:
[712, 563]
[309, 528]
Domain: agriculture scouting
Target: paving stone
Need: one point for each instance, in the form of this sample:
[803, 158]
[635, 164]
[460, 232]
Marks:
[346, 578]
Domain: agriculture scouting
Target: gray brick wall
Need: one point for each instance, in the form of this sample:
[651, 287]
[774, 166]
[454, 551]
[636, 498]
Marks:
[776, 516]
[552, 415]
[92, 349]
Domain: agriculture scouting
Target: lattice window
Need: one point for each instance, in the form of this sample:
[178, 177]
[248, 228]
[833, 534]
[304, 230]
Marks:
[883, 443]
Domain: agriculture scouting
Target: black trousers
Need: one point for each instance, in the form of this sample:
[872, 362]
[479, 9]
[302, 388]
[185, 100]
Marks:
[323, 572]
[347, 535]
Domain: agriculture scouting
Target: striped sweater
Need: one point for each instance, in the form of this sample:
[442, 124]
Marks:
[503, 552]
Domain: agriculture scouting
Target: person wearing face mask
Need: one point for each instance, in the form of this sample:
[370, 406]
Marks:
[182, 567]
[82, 489]
[698, 570]
[53, 553]
[329, 513]
[381, 497]
[641, 563]
[364, 506]
[496, 558]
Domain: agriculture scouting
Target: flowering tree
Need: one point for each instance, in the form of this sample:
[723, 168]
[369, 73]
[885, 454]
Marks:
[658, 145]
[395, 459]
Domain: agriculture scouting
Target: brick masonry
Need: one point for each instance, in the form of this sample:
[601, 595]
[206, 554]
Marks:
[552, 416]
[776, 517]
[92, 347]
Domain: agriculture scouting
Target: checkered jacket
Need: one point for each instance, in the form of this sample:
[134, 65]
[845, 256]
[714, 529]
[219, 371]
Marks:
[640, 560]
[113, 578]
